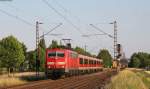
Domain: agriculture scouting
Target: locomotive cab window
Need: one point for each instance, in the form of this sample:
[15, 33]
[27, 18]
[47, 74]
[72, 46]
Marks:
[56, 54]
[60, 54]
[52, 54]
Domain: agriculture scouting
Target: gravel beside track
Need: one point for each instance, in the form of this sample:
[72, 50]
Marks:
[88, 81]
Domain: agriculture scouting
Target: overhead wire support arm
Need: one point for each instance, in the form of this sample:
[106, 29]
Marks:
[51, 30]
[101, 31]
[111, 36]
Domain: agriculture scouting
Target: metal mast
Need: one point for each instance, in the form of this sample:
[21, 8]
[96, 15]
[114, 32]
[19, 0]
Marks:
[115, 40]
[37, 48]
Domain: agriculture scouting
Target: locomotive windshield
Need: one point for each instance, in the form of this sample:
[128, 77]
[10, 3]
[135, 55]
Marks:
[52, 54]
[56, 54]
[60, 54]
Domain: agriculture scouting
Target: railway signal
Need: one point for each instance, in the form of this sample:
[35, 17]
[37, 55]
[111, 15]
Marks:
[119, 49]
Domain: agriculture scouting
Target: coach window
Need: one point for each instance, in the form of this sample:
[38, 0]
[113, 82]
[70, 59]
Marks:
[97, 62]
[100, 62]
[94, 62]
[89, 61]
[81, 60]
[86, 61]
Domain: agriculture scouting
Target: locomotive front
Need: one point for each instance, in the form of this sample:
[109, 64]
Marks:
[55, 63]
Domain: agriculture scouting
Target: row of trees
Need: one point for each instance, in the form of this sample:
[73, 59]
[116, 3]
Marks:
[140, 60]
[14, 55]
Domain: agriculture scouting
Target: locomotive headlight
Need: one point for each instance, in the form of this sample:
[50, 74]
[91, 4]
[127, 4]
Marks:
[49, 66]
[62, 66]
[50, 63]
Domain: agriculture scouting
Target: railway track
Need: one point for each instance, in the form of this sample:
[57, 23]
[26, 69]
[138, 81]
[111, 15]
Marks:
[89, 81]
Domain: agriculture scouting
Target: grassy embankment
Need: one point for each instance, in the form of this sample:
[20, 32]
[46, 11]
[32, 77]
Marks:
[18, 78]
[128, 79]
[10, 81]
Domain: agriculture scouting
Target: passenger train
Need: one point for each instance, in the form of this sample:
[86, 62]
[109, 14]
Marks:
[67, 62]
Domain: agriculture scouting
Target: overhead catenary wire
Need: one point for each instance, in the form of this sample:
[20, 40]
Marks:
[16, 17]
[66, 10]
[62, 16]
[51, 30]
[88, 35]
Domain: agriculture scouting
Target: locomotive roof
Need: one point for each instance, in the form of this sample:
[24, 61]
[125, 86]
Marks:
[59, 49]
[80, 55]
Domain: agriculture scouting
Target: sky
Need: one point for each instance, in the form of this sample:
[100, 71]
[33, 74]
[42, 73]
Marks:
[18, 18]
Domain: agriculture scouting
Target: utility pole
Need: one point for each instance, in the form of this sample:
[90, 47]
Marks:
[37, 49]
[116, 62]
[115, 39]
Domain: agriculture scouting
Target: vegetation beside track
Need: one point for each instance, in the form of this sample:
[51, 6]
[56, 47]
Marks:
[145, 76]
[128, 79]
[88, 81]
[19, 78]
[11, 81]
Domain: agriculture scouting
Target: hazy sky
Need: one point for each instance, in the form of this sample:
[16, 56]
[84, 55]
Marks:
[132, 16]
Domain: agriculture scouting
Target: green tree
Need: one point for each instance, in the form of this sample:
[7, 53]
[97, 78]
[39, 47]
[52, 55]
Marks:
[24, 49]
[81, 51]
[106, 57]
[12, 55]
[135, 61]
[31, 58]
[53, 45]
[2, 50]
[139, 60]
[42, 44]
[24, 64]
[42, 54]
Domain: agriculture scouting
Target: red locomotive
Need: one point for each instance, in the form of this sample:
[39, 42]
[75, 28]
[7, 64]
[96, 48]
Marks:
[67, 62]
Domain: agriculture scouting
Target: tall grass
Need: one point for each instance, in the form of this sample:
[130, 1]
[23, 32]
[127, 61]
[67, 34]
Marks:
[19, 78]
[10, 81]
[147, 72]
[145, 76]
[126, 80]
